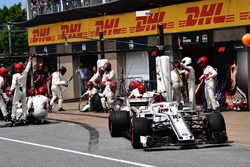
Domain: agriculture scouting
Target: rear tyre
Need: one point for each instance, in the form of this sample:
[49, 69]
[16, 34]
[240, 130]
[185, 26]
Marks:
[217, 128]
[139, 127]
[118, 121]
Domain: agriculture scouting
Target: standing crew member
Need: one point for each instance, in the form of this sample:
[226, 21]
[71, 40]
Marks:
[97, 77]
[190, 77]
[18, 87]
[3, 71]
[109, 74]
[208, 76]
[176, 81]
[56, 89]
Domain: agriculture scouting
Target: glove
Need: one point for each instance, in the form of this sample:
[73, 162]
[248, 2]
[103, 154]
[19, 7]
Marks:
[30, 57]
[205, 76]
[176, 64]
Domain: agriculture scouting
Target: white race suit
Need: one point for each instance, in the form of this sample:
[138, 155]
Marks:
[107, 98]
[210, 87]
[40, 105]
[2, 103]
[190, 77]
[19, 86]
[90, 93]
[175, 80]
[56, 89]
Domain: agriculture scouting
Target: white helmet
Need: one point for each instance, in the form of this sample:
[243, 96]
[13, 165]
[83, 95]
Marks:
[186, 61]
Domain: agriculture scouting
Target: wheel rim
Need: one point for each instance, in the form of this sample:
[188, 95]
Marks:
[132, 135]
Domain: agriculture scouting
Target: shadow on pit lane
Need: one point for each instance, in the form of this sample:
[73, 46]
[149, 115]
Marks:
[8, 124]
[93, 134]
[188, 147]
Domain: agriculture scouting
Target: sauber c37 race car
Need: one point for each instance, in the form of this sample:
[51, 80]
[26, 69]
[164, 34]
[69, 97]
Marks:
[162, 124]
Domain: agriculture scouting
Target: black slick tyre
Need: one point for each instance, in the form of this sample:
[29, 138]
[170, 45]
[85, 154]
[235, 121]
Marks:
[217, 128]
[139, 127]
[118, 121]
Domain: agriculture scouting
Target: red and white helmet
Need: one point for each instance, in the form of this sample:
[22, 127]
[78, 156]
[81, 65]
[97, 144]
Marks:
[142, 89]
[113, 86]
[101, 70]
[203, 61]
[7, 91]
[131, 85]
[137, 84]
[31, 92]
[102, 85]
[107, 66]
[3, 71]
[18, 67]
[90, 84]
[41, 91]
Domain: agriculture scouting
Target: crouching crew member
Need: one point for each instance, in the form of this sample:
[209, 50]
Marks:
[3, 72]
[108, 96]
[89, 93]
[38, 106]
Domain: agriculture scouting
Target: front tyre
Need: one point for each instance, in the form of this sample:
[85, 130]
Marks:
[217, 128]
[118, 121]
[139, 127]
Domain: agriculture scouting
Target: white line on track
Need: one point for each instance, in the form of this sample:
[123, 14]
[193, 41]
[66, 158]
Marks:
[77, 152]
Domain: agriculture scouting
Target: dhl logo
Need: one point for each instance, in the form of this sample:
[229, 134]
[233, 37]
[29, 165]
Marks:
[71, 31]
[108, 27]
[41, 35]
[244, 15]
[206, 14]
[149, 23]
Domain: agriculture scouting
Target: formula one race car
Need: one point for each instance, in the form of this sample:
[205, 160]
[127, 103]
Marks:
[162, 124]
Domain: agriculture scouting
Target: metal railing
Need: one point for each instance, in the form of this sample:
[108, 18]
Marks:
[40, 7]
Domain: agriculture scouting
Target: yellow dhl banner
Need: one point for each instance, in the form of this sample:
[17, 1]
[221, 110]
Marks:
[208, 14]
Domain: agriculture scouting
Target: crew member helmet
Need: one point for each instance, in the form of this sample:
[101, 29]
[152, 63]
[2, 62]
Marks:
[63, 70]
[31, 92]
[142, 89]
[90, 84]
[18, 67]
[7, 91]
[186, 61]
[41, 91]
[203, 61]
[107, 66]
[101, 70]
[131, 85]
[3, 71]
[137, 84]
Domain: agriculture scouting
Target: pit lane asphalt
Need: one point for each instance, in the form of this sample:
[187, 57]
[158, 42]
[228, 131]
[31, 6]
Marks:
[237, 122]
[88, 143]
